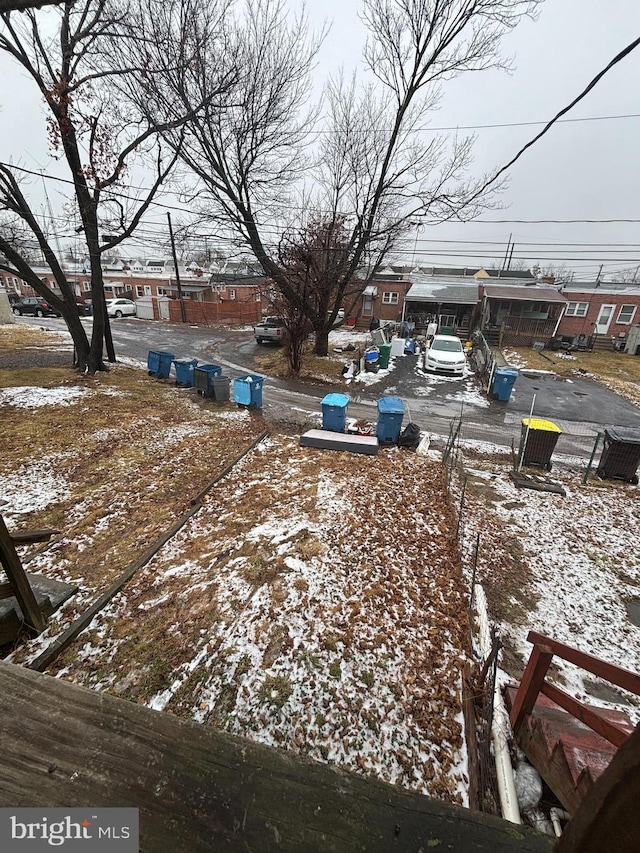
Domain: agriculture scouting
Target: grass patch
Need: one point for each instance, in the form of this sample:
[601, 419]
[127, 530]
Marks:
[606, 364]
[275, 690]
[273, 360]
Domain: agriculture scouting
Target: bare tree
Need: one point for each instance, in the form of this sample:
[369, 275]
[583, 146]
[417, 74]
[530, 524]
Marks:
[630, 275]
[78, 66]
[259, 172]
[558, 272]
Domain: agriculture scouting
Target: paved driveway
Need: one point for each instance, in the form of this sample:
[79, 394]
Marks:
[581, 406]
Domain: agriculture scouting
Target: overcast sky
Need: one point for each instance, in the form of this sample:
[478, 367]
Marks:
[580, 170]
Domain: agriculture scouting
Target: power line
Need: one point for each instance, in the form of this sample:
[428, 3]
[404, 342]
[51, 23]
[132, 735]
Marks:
[501, 124]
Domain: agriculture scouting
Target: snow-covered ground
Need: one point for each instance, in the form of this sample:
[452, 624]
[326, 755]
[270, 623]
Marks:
[317, 602]
[564, 566]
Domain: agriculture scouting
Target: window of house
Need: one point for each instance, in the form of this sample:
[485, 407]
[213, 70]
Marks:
[389, 297]
[160, 291]
[147, 290]
[232, 294]
[139, 290]
[258, 296]
[627, 313]
[577, 309]
[86, 286]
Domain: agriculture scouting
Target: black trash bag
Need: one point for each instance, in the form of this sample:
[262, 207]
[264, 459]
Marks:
[410, 436]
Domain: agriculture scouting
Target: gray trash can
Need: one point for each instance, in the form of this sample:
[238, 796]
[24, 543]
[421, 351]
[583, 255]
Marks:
[221, 389]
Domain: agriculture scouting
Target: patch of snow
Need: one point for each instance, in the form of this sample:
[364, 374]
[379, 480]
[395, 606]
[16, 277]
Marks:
[30, 397]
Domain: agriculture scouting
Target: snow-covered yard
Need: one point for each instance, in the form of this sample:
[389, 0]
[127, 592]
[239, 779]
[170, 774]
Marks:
[565, 566]
[317, 601]
[314, 603]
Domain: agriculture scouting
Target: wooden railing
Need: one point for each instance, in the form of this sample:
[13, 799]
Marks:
[533, 682]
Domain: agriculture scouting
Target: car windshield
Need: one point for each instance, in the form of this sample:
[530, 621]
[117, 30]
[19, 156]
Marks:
[447, 346]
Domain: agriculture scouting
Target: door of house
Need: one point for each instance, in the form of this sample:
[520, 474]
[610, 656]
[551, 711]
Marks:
[367, 305]
[604, 319]
[163, 308]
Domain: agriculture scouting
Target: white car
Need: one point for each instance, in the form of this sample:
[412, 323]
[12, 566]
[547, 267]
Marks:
[121, 307]
[446, 355]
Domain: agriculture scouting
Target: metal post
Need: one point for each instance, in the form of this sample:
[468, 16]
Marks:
[175, 261]
[526, 435]
[461, 510]
[590, 462]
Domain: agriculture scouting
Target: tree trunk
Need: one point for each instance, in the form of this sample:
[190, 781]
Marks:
[321, 346]
[79, 338]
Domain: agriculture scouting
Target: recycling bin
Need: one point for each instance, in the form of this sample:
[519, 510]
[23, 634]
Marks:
[247, 390]
[372, 361]
[390, 415]
[203, 376]
[538, 440]
[184, 371]
[334, 412]
[620, 455]
[385, 355]
[159, 363]
[503, 381]
[221, 390]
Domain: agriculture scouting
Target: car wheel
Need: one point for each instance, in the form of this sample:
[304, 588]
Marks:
[118, 314]
[17, 311]
[39, 313]
[258, 340]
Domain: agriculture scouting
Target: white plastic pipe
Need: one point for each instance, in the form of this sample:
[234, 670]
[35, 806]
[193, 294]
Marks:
[500, 729]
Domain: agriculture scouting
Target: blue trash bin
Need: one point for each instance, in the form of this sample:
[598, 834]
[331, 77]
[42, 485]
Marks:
[390, 415]
[203, 376]
[503, 381]
[334, 412]
[184, 371]
[159, 363]
[247, 390]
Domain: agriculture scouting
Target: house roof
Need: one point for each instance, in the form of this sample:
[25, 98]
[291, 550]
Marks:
[628, 288]
[533, 293]
[516, 275]
[441, 290]
[407, 271]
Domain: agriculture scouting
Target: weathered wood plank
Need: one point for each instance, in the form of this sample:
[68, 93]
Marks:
[200, 790]
[608, 817]
[17, 578]
[29, 537]
[327, 440]
[625, 678]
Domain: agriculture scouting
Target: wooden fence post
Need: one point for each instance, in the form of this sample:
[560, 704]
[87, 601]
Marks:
[19, 581]
[532, 680]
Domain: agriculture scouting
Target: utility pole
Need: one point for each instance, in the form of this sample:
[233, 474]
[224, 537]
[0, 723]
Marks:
[513, 245]
[175, 261]
[599, 274]
[506, 254]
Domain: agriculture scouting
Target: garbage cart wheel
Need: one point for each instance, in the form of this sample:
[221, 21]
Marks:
[548, 466]
[600, 473]
[151, 373]
[634, 480]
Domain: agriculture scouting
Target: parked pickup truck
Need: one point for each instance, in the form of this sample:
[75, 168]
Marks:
[270, 329]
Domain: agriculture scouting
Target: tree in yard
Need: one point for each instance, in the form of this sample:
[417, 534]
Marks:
[77, 56]
[260, 172]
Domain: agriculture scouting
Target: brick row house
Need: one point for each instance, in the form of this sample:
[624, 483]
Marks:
[236, 297]
[510, 307]
[602, 311]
